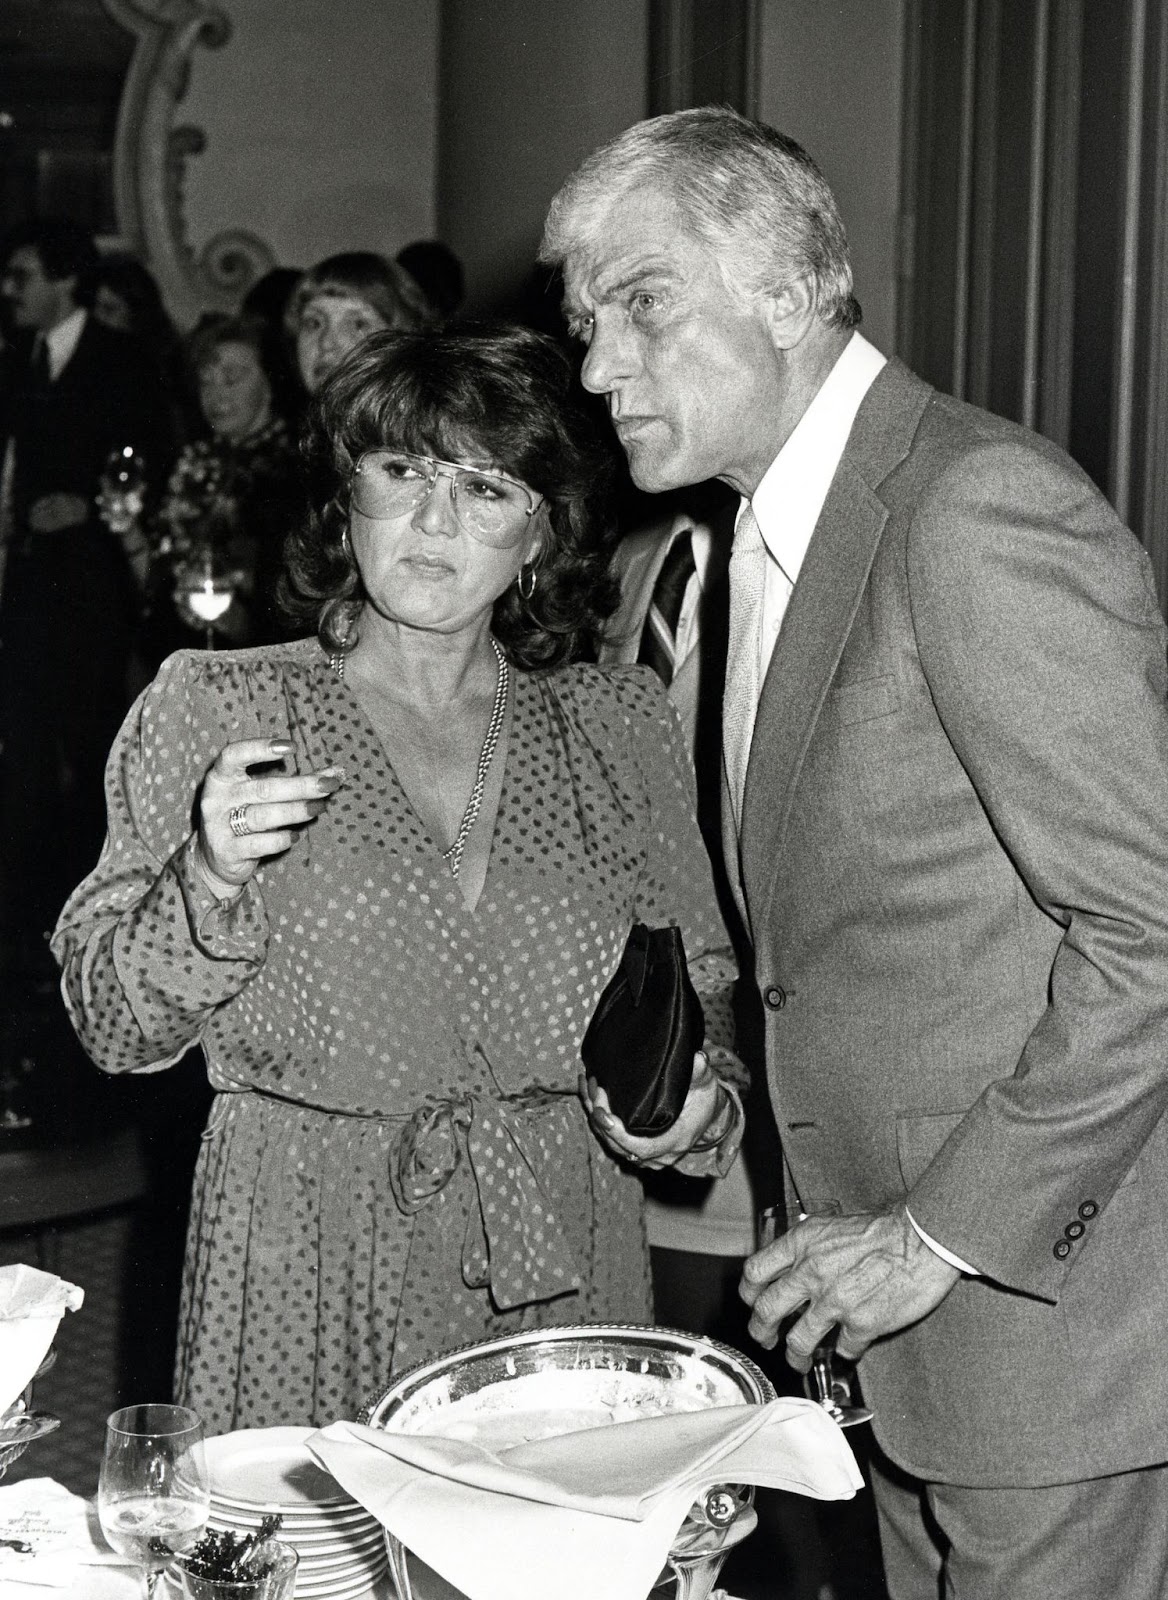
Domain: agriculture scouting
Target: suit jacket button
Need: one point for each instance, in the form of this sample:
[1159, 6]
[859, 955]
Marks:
[1074, 1230]
[1088, 1210]
[775, 998]
[1062, 1250]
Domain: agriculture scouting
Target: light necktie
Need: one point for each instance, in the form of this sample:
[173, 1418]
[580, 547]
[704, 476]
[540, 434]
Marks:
[659, 635]
[748, 564]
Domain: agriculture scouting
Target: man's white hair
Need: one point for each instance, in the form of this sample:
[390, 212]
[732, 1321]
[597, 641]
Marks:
[752, 194]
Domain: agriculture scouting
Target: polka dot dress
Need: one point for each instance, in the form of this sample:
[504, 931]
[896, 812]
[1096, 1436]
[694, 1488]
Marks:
[397, 1162]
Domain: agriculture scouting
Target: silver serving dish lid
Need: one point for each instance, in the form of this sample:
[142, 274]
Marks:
[703, 1367]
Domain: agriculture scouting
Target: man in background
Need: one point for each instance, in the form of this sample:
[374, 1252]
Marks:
[75, 392]
[673, 616]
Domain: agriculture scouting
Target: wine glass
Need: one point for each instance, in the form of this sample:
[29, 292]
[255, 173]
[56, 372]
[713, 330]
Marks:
[123, 489]
[833, 1392]
[153, 1494]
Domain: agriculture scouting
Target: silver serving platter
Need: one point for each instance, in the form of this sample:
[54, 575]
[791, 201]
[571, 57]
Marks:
[20, 1424]
[721, 1518]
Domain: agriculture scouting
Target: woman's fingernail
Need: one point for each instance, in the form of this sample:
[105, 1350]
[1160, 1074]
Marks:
[333, 772]
[281, 747]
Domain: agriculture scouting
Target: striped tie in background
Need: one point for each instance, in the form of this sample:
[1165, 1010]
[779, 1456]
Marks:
[659, 635]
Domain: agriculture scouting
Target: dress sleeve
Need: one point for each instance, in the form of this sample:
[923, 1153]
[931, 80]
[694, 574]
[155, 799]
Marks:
[148, 954]
[677, 886]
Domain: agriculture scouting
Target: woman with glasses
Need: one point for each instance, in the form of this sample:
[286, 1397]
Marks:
[419, 842]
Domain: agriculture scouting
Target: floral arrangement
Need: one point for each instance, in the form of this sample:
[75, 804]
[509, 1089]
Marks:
[198, 497]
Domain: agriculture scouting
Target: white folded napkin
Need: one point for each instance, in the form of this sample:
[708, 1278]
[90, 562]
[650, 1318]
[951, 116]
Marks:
[32, 1304]
[63, 1531]
[581, 1514]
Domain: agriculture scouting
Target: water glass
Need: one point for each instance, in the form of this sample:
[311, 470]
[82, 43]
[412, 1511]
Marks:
[153, 1493]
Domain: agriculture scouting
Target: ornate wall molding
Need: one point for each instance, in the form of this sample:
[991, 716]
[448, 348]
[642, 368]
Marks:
[151, 153]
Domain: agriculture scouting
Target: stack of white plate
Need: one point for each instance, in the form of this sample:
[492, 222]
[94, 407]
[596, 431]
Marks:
[262, 1472]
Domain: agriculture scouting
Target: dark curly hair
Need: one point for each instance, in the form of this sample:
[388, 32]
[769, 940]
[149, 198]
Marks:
[479, 390]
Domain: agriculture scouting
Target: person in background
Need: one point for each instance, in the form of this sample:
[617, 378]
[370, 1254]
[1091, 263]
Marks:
[382, 875]
[267, 302]
[77, 391]
[946, 748]
[127, 297]
[438, 272]
[344, 299]
[673, 616]
[232, 496]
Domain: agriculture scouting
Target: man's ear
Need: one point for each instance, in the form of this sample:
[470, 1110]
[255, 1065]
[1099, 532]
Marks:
[791, 312]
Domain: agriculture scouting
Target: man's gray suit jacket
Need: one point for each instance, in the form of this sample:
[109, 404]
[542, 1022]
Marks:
[955, 859]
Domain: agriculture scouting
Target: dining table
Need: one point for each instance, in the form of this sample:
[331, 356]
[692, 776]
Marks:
[68, 1557]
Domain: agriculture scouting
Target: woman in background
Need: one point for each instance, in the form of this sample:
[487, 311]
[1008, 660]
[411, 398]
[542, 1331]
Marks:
[344, 299]
[227, 507]
[419, 842]
[126, 296]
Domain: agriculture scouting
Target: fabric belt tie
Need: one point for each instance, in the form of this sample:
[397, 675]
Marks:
[515, 1239]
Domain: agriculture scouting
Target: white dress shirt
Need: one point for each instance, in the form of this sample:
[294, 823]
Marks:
[63, 340]
[790, 497]
[686, 637]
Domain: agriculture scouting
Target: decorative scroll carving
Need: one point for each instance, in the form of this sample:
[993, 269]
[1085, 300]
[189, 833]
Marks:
[150, 157]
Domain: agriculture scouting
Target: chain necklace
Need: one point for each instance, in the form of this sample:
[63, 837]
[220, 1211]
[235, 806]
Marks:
[453, 856]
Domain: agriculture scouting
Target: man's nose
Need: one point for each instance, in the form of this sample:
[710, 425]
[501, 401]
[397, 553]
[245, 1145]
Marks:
[607, 360]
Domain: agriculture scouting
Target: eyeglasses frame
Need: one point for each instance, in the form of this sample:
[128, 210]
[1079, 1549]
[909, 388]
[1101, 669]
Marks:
[450, 470]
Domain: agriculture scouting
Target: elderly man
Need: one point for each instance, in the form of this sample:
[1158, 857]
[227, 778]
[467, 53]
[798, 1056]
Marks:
[946, 779]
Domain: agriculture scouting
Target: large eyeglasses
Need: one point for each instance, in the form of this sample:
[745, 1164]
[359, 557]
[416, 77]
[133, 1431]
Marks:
[490, 506]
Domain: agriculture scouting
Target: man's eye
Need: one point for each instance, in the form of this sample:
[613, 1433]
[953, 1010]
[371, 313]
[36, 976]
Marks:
[643, 303]
[581, 328]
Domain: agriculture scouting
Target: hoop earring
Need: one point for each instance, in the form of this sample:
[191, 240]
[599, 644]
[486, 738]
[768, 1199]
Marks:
[529, 568]
[347, 546]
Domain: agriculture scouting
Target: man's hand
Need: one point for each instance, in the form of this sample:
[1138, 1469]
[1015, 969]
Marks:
[53, 513]
[867, 1275]
[706, 1108]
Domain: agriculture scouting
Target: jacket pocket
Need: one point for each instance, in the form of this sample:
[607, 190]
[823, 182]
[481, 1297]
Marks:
[918, 1138]
[865, 699]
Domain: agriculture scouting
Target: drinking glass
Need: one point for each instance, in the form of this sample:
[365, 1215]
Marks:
[832, 1391]
[123, 489]
[153, 1494]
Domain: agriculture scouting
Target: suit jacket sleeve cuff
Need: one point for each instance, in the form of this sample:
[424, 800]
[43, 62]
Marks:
[940, 1250]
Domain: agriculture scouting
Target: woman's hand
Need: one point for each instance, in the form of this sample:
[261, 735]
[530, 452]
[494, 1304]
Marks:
[703, 1118]
[243, 820]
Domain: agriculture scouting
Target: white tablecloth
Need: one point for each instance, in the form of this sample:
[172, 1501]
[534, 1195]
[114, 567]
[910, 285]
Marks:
[70, 1558]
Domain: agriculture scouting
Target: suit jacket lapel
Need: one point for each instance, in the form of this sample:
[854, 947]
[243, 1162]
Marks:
[817, 622]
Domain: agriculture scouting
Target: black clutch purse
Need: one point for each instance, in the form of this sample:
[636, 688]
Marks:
[646, 1030]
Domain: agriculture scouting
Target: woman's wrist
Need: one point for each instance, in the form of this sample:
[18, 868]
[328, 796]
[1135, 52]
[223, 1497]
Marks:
[219, 887]
[721, 1121]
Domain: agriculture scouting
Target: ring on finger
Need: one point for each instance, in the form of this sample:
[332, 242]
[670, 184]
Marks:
[237, 821]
